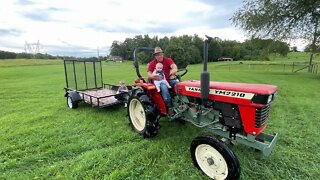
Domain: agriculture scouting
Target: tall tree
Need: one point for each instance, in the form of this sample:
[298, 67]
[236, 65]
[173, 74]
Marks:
[214, 49]
[309, 48]
[281, 19]
[115, 48]
[178, 54]
[198, 43]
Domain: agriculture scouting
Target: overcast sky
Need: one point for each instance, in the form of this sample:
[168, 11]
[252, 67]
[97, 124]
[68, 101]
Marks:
[79, 27]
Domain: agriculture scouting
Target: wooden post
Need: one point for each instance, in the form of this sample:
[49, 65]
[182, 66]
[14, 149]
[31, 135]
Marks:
[312, 68]
[292, 66]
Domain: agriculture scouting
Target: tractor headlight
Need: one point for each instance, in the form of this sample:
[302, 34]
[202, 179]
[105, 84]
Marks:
[274, 95]
[269, 98]
[263, 99]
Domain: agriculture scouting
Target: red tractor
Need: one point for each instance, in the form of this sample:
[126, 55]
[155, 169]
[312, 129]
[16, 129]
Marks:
[233, 111]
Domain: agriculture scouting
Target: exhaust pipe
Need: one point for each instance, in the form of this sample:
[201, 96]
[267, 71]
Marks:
[205, 76]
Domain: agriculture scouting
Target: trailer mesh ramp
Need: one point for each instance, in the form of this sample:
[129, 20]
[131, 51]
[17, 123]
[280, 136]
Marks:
[100, 97]
[83, 74]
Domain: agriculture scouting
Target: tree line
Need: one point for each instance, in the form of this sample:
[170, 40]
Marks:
[12, 55]
[23, 55]
[283, 20]
[189, 49]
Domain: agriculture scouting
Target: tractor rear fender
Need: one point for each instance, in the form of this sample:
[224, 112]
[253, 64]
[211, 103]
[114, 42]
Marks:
[156, 97]
[75, 96]
[158, 100]
[146, 86]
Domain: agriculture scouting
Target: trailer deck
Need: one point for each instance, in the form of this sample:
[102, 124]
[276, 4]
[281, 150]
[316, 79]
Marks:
[84, 83]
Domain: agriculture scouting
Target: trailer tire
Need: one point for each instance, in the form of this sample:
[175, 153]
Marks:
[71, 103]
[214, 158]
[143, 115]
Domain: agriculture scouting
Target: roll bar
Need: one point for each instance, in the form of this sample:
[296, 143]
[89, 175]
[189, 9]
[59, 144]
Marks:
[135, 58]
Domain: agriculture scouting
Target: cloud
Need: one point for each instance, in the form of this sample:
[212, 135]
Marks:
[25, 2]
[43, 15]
[149, 27]
[10, 46]
[161, 29]
[230, 6]
[86, 25]
[97, 23]
[10, 32]
[76, 50]
[218, 17]
[97, 26]
[37, 16]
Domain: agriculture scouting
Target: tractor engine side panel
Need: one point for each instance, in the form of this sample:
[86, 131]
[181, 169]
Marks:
[230, 114]
[254, 113]
[250, 119]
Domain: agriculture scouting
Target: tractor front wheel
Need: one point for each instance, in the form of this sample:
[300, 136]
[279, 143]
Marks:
[214, 158]
[143, 116]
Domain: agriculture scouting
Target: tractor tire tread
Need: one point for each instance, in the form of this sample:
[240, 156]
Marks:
[151, 113]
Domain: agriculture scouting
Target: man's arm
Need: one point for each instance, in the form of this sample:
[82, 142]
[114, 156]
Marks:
[151, 68]
[153, 76]
[174, 69]
[150, 75]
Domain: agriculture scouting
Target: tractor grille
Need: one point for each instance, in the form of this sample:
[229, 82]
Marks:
[262, 116]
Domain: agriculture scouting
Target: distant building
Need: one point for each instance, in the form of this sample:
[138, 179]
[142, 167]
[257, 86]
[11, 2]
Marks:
[115, 58]
[225, 59]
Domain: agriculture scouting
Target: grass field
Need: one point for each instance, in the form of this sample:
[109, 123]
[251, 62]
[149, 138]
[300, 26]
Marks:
[40, 138]
[294, 56]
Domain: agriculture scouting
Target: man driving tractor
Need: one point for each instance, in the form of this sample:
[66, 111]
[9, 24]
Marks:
[169, 68]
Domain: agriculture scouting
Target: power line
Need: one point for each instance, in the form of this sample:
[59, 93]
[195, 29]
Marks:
[32, 48]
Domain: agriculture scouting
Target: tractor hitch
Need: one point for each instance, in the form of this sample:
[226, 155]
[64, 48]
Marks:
[263, 142]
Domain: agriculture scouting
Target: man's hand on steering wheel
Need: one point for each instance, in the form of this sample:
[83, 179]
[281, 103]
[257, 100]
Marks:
[173, 77]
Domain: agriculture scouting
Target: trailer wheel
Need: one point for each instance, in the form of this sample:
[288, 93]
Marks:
[214, 158]
[143, 115]
[71, 103]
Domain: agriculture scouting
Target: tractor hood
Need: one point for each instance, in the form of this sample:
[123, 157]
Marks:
[264, 89]
[236, 93]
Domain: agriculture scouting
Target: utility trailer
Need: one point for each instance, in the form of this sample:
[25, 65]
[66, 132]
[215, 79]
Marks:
[84, 83]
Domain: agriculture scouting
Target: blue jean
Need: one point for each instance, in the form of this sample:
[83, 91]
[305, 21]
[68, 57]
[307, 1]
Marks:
[165, 91]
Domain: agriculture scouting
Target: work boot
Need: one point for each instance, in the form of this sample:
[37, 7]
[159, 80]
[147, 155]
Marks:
[169, 106]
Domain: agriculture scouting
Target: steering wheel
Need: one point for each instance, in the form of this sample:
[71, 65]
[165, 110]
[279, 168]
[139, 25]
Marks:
[179, 75]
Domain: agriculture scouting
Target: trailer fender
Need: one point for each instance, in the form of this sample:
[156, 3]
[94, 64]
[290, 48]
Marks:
[75, 96]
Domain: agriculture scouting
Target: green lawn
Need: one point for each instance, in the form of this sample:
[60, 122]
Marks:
[42, 139]
[295, 56]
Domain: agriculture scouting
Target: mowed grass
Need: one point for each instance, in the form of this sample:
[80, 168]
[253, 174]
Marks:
[295, 57]
[40, 138]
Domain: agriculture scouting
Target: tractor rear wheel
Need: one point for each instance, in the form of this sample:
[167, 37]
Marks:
[214, 158]
[71, 103]
[143, 115]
